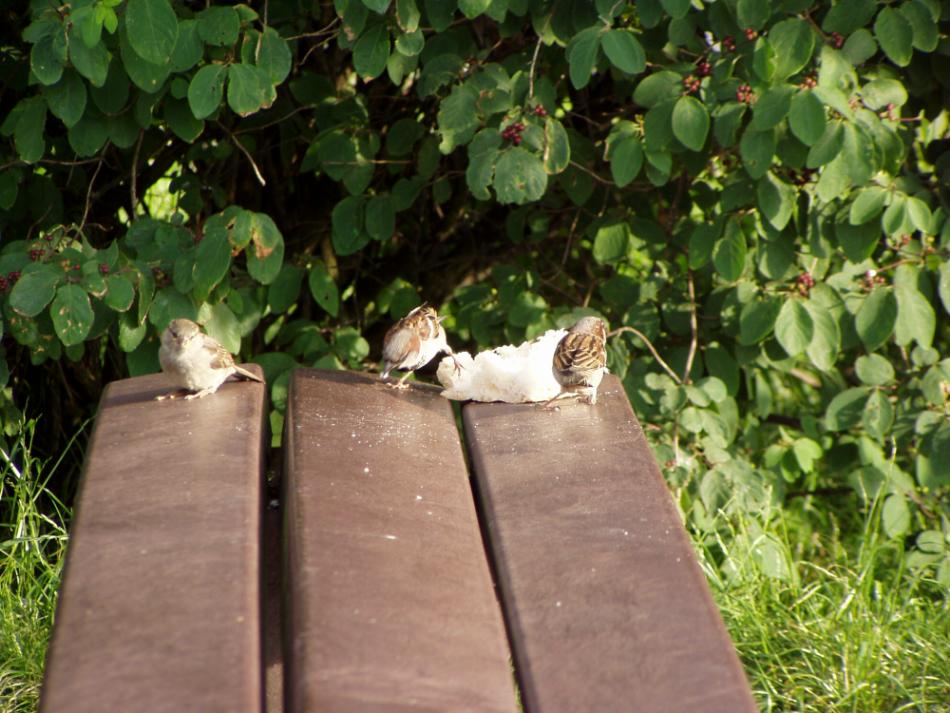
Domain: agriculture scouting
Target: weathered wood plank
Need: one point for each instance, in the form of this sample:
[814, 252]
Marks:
[607, 608]
[390, 601]
[159, 608]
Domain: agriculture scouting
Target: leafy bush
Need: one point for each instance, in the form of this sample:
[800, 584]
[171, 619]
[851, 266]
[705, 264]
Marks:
[757, 189]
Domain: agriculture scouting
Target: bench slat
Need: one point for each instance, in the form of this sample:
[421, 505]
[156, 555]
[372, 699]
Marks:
[604, 599]
[390, 602]
[159, 606]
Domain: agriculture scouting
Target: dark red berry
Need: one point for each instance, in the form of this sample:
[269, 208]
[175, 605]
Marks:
[3, 284]
[103, 269]
[750, 34]
[519, 127]
[703, 68]
[729, 43]
[837, 40]
[516, 140]
[540, 111]
[12, 277]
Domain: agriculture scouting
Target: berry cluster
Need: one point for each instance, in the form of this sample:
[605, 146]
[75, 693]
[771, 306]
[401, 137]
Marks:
[512, 133]
[873, 279]
[750, 34]
[37, 254]
[805, 282]
[703, 68]
[540, 111]
[103, 268]
[745, 94]
[161, 279]
[837, 40]
[691, 84]
[729, 43]
[9, 281]
[809, 82]
[890, 112]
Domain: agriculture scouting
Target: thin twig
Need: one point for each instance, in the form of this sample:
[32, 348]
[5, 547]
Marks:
[133, 188]
[534, 62]
[653, 351]
[319, 33]
[693, 327]
[92, 181]
[257, 171]
[591, 174]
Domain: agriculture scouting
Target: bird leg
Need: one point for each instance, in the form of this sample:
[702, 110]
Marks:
[401, 384]
[455, 362]
[201, 394]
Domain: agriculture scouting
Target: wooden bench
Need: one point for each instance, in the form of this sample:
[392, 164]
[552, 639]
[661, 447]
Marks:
[558, 578]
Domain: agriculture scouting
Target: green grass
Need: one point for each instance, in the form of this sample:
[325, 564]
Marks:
[32, 544]
[825, 614]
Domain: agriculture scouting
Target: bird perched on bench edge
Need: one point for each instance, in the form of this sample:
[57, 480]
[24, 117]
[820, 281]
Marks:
[580, 359]
[196, 362]
[413, 341]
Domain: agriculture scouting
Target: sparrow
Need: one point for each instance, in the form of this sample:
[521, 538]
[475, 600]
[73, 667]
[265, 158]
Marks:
[196, 362]
[580, 359]
[412, 342]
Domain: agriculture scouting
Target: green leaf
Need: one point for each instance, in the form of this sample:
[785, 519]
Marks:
[944, 285]
[858, 242]
[582, 55]
[846, 409]
[29, 128]
[876, 318]
[675, 8]
[407, 15]
[690, 123]
[611, 241]
[894, 221]
[47, 60]
[147, 76]
[248, 89]
[925, 32]
[88, 136]
[285, 289]
[180, 120]
[827, 147]
[34, 290]
[265, 245]
[794, 327]
[67, 98]
[772, 107]
[473, 8]
[878, 417]
[402, 136]
[848, 15]
[867, 205]
[757, 320]
[458, 118]
[526, 309]
[224, 327]
[212, 261]
[482, 154]
[874, 370]
[753, 13]
[188, 47]
[776, 200]
[377, 6]
[826, 342]
[9, 188]
[72, 314]
[624, 51]
[657, 88]
[757, 149]
[119, 293]
[895, 516]
[519, 177]
[626, 159]
[347, 221]
[859, 47]
[380, 217]
[895, 35]
[916, 320]
[90, 62]
[880, 92]
[919, 214]
[324, 289]
[274, 56]
[730, 253]
[152, 29]
[219, 25]
[112, 96]
[206, 90]
[557, 147]
[793, 41]
[371, 51]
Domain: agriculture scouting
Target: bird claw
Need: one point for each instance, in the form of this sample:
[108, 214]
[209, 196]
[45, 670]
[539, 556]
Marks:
[457, 366]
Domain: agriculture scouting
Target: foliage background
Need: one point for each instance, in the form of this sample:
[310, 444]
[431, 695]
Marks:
[756, 188]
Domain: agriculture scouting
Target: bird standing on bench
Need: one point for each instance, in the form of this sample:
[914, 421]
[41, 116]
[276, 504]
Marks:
[580, 360]
[196, 362]
[413, 341]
